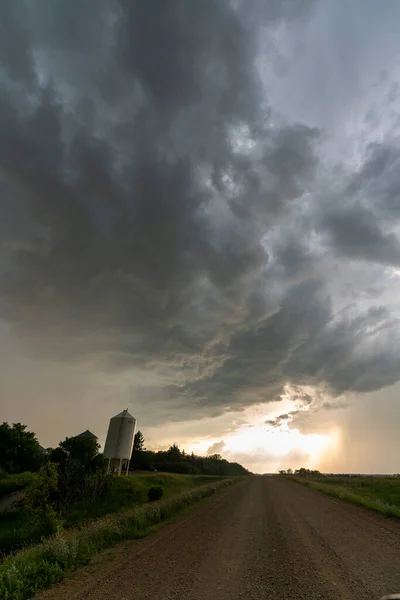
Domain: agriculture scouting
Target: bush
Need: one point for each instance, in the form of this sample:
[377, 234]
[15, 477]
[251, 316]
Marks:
[41, 500]
[155, 493]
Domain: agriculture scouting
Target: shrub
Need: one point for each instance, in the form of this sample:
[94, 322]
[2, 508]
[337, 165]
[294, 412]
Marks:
[41, 499]
[155, 493]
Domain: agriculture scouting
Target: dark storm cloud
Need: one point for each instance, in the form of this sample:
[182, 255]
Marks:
[361, 222]
[356, 233]
[379, 178]
[142, 172]
[303, 343]
[121, 230]
[15, 42]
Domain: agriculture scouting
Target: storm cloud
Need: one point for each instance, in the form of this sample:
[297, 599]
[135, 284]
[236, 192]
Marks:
[163, 218]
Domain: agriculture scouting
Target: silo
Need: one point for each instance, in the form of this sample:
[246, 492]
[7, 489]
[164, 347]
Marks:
[119, 441]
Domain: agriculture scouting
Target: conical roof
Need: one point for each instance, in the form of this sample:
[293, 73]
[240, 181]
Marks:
[124, 415]
[87, 434]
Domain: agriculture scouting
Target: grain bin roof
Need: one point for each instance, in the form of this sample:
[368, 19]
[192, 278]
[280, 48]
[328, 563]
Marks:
[123, 415]
[87, 434]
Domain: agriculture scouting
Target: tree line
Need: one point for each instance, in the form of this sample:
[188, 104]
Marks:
[20, 451]
[301, 472]
[175, 460]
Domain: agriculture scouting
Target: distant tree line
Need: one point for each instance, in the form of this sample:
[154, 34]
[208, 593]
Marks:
[175, 460]
[301, 472]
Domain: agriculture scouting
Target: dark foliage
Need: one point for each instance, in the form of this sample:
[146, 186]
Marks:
[155, 493]
[81, 470]
[19, 449]
[301, 472]
[175, 460]
[138, 442]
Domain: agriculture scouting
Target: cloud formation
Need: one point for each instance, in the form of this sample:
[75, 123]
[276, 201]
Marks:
[216, 448]
[163, 217]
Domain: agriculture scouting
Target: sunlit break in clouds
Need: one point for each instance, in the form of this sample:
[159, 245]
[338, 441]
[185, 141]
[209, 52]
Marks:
[200, 220]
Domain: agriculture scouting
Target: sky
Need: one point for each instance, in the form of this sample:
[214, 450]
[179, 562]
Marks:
[200, 222]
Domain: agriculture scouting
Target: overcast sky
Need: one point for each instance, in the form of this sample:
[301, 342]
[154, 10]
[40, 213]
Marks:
[200, 221]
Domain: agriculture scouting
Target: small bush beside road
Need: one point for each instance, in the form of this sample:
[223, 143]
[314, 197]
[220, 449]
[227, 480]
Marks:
[155, 493]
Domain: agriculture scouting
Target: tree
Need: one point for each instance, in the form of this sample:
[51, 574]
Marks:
[141, 458]
[19, 449]
[82, 450]
[174, 453]
[138, 442]
[77, 459]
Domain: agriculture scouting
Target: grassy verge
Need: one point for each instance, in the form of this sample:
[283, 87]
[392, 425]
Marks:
[124, 492]
[380, 494]
[18, 531]
[37, 567]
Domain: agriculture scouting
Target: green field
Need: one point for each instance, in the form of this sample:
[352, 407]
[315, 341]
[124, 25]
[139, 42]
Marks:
[17, 531]
[381, 494]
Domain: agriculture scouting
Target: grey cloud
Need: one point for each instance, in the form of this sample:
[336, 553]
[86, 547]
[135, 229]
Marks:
[355, 232]
[15, 34]
[149, 179]
[328, 405]
[134, 226]
[304, 344]
[277, 421]
[357, 354]
[378, 179]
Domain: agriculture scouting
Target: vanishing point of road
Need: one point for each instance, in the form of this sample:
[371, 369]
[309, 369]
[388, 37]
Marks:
[263, 538]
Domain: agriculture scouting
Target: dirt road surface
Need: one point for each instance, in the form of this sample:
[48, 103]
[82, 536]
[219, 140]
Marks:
[264, 538]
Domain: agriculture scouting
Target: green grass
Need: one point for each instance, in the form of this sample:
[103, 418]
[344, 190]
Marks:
[33, 569]
[380, 494]
[17, 531]
[124, 492]
[14, 483]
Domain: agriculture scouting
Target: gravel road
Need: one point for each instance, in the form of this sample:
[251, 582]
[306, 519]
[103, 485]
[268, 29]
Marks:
[264, 538]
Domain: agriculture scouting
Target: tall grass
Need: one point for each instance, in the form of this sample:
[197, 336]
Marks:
[33, 569]
[374, 493]
[17, 530]
[15, 482]
[124, 492]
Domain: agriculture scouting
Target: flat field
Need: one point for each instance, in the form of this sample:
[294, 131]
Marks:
[378, 493]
